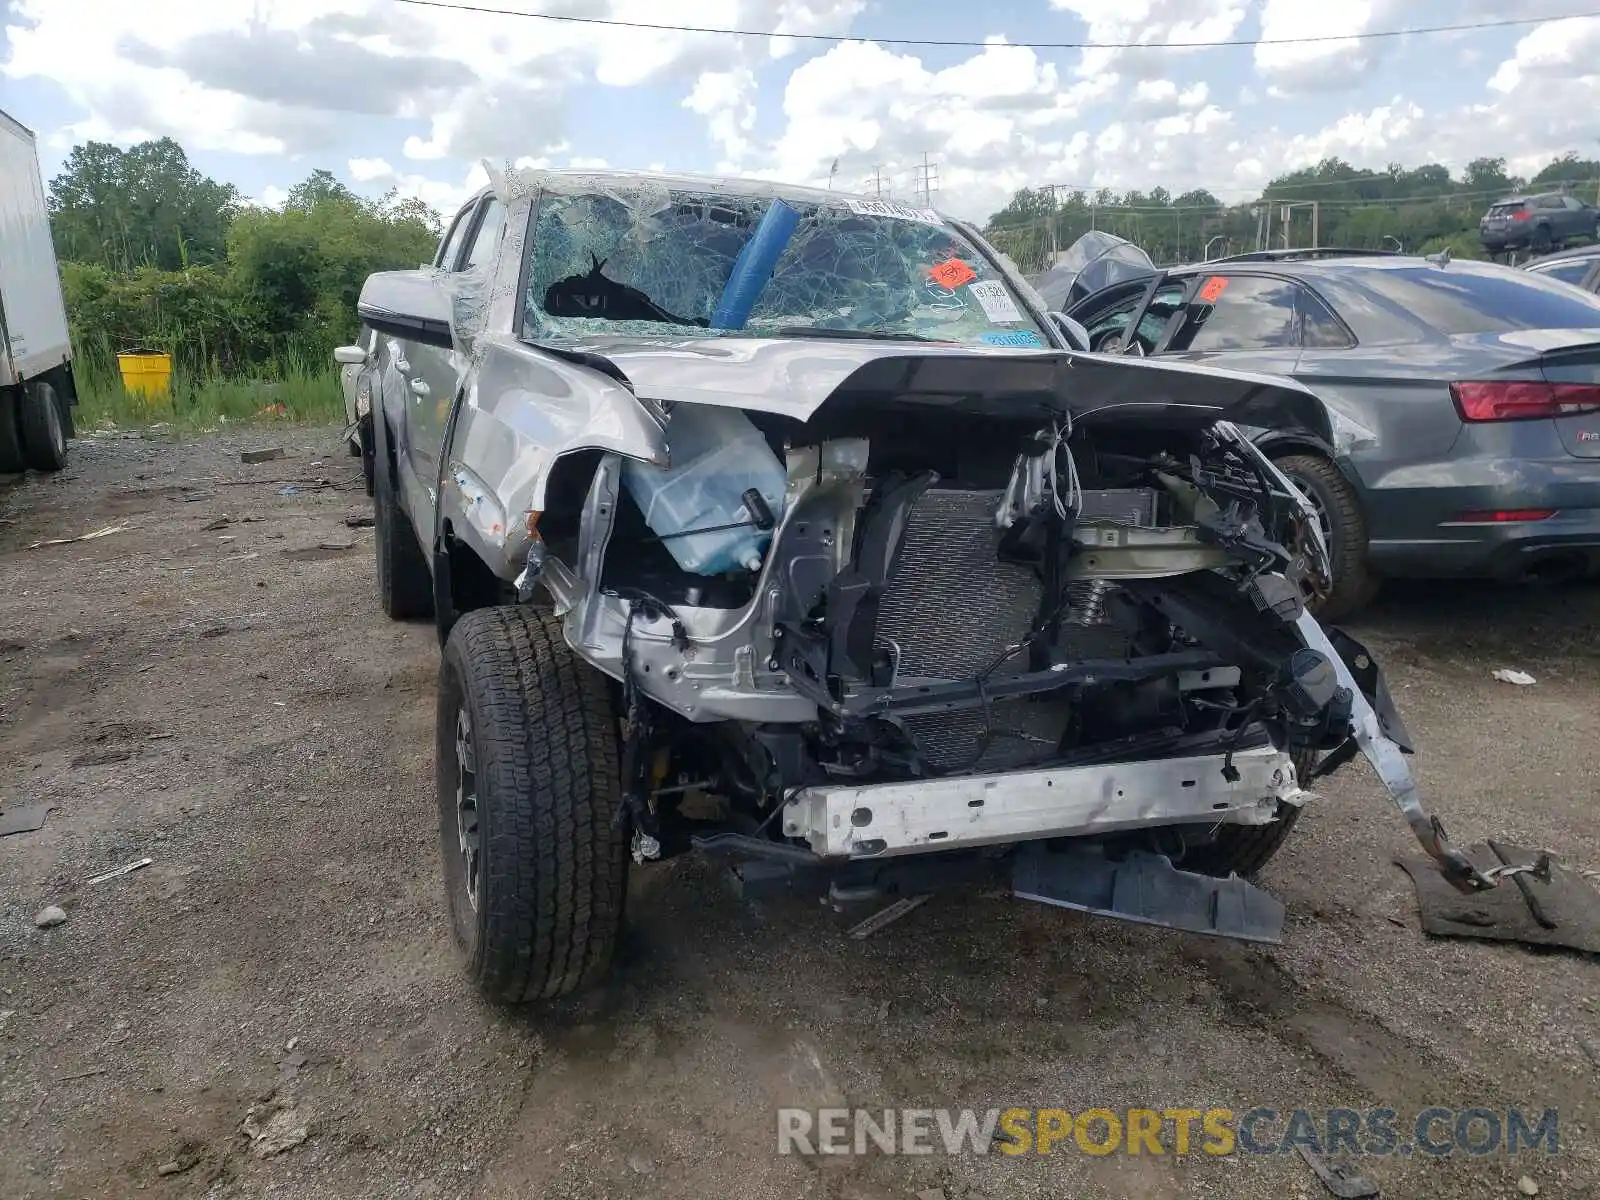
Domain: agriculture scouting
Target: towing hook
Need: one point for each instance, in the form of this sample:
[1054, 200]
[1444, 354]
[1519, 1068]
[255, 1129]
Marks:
[1453, 864]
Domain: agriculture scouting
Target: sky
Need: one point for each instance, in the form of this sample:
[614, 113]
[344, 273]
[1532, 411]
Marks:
[389, 94]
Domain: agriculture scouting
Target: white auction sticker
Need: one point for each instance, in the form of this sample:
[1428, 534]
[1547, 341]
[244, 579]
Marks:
[995, 301]
[888, 208]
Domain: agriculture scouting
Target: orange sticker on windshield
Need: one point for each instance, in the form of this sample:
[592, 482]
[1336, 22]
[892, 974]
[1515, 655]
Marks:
[1212, 288]
[952, 273]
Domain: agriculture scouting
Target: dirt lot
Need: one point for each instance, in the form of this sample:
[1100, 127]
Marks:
[230, 702]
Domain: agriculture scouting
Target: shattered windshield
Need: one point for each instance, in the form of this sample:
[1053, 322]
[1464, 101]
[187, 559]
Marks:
[674, 263]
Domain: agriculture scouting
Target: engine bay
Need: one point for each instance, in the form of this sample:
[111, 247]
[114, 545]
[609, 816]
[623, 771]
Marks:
[890, 594]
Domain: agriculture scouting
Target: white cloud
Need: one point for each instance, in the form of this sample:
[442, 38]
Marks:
[727, 100]
[368, 170]
[1556, 49]
[1149, 23]
[1306, 65]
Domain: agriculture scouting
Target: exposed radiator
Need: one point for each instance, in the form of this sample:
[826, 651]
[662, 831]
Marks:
[953, 608]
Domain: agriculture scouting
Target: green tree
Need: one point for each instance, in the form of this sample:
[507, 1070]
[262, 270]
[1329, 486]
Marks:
[141, 207]
[316, 189]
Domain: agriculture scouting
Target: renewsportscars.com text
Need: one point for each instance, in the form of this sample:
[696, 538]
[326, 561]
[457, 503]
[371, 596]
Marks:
[1435, 1132]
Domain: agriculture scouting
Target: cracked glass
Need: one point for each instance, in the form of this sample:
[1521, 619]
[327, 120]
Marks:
[658, 261]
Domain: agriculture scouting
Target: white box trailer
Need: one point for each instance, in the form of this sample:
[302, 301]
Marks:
[37, 392]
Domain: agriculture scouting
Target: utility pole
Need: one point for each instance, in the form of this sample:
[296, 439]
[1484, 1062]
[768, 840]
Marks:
[877, 181]
[928, 180]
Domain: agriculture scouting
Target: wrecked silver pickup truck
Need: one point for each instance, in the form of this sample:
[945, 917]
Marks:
[782, 526]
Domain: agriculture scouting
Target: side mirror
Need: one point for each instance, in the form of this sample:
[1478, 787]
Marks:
[350, 356]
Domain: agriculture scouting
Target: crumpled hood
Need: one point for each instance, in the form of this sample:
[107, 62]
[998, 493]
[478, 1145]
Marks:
[793, 377]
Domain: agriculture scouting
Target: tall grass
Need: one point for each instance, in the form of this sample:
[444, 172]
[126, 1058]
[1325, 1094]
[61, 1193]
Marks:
[295, 387]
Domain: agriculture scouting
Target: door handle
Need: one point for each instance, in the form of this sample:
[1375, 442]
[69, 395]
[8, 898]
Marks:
[420, 387]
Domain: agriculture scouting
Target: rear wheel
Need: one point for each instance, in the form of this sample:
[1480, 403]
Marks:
[405, 586]
[1542, 242]
[535, 864]
[1344, 529]
[12, 461]
[1245, 849]
[44, 435]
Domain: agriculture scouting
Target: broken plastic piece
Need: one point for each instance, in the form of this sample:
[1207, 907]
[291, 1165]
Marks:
[1520, 678]
[1149, 890]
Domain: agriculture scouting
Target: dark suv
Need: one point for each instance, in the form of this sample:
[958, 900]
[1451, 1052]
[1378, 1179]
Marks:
[1538, 223]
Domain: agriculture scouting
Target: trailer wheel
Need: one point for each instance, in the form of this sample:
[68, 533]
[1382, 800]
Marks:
[11, 460]
[44, 436]
[535, 863]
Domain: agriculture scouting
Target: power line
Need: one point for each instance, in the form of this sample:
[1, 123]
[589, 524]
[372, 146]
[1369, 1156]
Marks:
[611, 23]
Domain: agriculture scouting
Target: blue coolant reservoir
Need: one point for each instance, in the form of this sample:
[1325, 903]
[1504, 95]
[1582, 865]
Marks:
[717, 455]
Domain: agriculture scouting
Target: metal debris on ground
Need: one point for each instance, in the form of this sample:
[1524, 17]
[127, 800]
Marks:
[49, 917]
[22, 818]
[1520, 678]
[101, 758]
[221, 522]
[82, 537]
[274, 1129]
[1550, 904]
[1339, 1179]
[358, 520]
[887, 916]
[126, 869]
[261, 456]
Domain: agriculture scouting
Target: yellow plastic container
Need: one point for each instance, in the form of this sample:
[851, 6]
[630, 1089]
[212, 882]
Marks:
[146, 372]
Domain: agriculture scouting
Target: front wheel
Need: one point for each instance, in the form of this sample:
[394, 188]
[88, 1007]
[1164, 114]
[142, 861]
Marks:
[1245, 849]
[1344, 529]
[535, 864]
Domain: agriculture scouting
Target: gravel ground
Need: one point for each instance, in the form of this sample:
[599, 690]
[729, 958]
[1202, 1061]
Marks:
[229, 702]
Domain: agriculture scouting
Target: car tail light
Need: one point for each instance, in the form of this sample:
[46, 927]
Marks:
[1522, 214]
[1523, 400]
[1501, 516]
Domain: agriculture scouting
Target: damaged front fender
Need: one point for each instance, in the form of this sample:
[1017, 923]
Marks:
[521, 411]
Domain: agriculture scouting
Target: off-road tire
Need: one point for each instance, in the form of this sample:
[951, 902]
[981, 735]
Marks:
[12, 461]
[1244, 849]
[44, 434]
[1353, 584]
[552, 866]
[405, 587]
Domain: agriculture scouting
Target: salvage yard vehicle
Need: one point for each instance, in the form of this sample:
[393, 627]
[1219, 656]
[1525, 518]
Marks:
[1539, 223]
[37, 390]
[1464, 398]
[777, 524]
[1579, 266]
